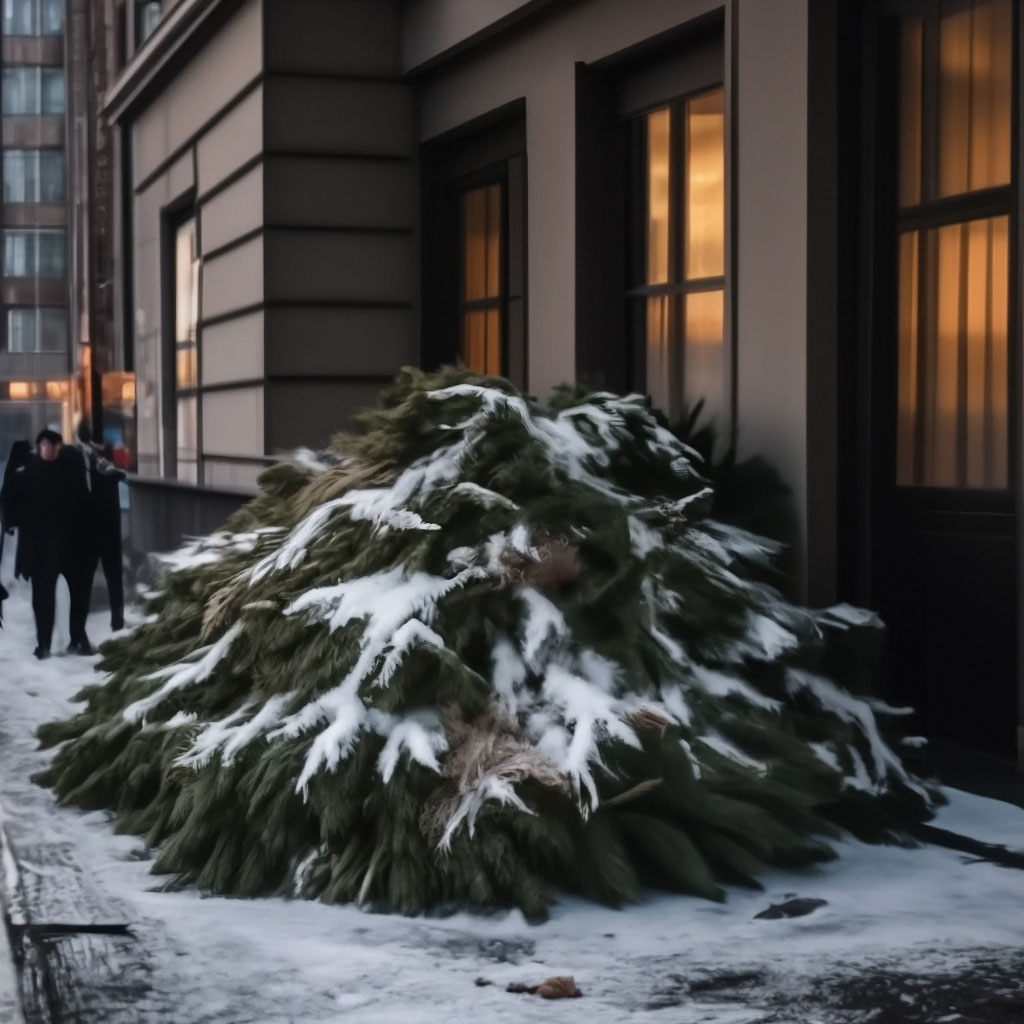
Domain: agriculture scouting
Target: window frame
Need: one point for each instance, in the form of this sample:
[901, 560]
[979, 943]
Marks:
[487, 150]
[37, 19]
[38, 311]
[175, 216]
[35, 273]
[677, 288]
[497, 175]
[38, 152]
[40, 71]
[930, 213]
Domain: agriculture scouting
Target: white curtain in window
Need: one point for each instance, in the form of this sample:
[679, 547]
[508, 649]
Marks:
[18, 18]
[15, 176]
[52, 17]
[21, 333]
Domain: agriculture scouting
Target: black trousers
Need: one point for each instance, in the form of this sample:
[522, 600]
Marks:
[46, 569]
[107, 553]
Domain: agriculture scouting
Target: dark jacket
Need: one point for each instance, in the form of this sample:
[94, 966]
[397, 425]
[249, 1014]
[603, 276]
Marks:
[11, 499]
[52, 510]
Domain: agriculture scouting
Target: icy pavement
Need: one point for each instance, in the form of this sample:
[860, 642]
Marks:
[908, 935]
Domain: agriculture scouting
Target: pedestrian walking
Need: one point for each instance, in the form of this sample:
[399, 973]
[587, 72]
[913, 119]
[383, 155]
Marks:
[51, 499]
[103, 544]
[20, 452]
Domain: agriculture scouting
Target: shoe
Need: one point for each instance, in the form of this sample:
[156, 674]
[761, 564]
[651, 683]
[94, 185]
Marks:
[42, 653]
[117, 622]
[81, 647]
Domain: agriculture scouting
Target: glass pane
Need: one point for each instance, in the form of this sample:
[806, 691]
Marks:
[663, 383]
[493, 344]
[493, 241]
[188, 438]
[474, 244]
[474, 339]
[18, 17]
[53, 90]
[32, 253]
[704, 354]
[51, 176]
[21, 330]
[953, 371]
[20, 90]
[659, 124]
[705, 186]
[53, 17]
[17, 255]
[15, 175]
[186, 265]
[51, 254]
[975, 61]
[481, 340]
[911, 86]
[481, 243]
[53, 330]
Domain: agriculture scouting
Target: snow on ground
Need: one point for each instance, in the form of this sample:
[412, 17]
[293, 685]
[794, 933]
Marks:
[903, 928]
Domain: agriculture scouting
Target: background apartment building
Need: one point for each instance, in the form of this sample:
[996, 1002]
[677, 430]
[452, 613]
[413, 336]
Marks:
[59, 361]
[803, 211]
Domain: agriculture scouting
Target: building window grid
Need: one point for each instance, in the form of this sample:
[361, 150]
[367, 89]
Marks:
[32, 91]
[33, 176]
[36, 329]
[33, 17]
[954, 228]
[34, 253]
[678, 304]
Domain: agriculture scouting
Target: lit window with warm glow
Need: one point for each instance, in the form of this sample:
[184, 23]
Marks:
[481, 292]
[186, 353]
[954, 248]
[682, 288]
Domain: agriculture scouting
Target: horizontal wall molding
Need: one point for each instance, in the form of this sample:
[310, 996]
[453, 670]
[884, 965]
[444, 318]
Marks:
[204, 129]
[311, 229]
[271, 304]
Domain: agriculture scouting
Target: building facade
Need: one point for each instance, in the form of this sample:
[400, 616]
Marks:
[56, 337]
[803, 212]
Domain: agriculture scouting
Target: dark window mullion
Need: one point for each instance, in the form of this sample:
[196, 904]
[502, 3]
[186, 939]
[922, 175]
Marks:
[961, 359]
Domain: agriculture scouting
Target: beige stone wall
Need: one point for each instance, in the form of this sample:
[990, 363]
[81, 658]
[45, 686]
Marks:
[771, 169]
[198, 132]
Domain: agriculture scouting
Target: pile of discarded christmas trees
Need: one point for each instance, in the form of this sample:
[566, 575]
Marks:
[484, 651]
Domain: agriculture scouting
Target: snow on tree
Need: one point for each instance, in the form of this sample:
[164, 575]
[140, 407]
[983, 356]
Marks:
[488, 651]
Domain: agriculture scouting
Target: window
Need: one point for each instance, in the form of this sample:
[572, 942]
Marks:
[147, 17]
[34, 252]
[33, 17]
[474, 246]
[955, 205]
[677, 287]
[33, 175]
[186, 350]
[33, 91]
[37, 329]
[481, 287]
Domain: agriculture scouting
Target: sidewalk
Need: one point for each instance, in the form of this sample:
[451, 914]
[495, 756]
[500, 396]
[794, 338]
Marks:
[907, 936]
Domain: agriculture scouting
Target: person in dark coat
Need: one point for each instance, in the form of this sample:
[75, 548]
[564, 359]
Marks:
[9, 512]
[103, 547]
[52, 498]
